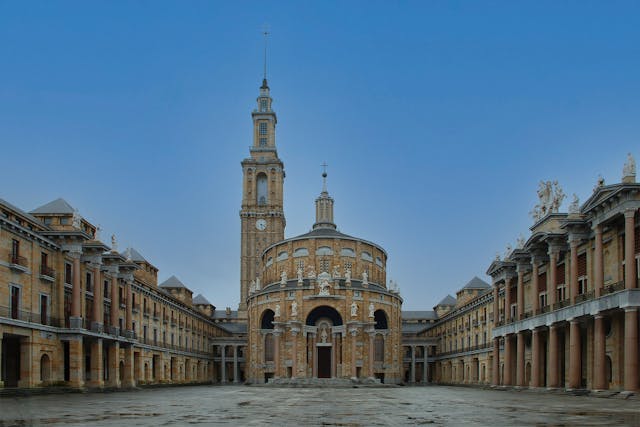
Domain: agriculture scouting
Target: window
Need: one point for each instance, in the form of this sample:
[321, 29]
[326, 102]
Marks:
[67, 273]
[379, 261]
[366, 256]
[144, 332]
[269, 261]
[155, 336]
[15, 251]
[543, 299]
[348, 252]
[106, 289]
[89, 282]
[121, 295]
[47, 220]
[582, 285]
[15, 302]
[263, 104]
[263, 128]
[268, 348]
[324, 250]
[300, 252]
[263, 142]
[379, 348]
[44, 309]
[261, 186]
[282, 256]
[64, 221]
[561, 293]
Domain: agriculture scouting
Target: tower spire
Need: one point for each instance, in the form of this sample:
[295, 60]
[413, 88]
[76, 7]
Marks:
[324, 177]
[265, 33]
[324, 205]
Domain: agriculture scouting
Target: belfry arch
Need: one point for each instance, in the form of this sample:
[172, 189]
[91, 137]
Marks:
[324, 341]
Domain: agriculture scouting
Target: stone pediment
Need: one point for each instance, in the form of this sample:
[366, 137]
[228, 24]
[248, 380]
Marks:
[550, 223]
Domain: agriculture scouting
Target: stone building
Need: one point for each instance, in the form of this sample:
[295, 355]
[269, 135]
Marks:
[75, 312]
[563, 308]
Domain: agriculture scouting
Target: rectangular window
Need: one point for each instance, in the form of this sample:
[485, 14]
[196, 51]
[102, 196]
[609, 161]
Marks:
[155, 336]
[263, 105]
[67, 273]
[121, 324]
[144, 333]
[263, 142]
[106, 289]
[44, 309]
[121, 295]
[15, 251]
[263, 128]
[47, 221]
[15, 302]
[543, 299]
[89, 282]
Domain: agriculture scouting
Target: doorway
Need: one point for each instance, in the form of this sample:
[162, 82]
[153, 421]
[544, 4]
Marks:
[10, 361]
[324, 362]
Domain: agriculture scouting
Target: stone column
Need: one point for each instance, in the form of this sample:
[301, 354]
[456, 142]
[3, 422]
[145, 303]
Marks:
[520, 359]
[113, 357]
[495, 377]
[128, 313]
[371, 344]
[629, 252]
[223, 364]
[425, 366]
[97, 374]
[573, 277]
[314, 358]
[496, 306]
[508, 359]
[276, 353]
[535, 300]
[128, 378]
[413, 365]
[598, 262]
[354, 371]
[575, 369]
[535, 358]
[521, 271]
[75, 319]
[631, 349]
[552, 276]
[553, 357]
[76, 362]
[507, 300]
[27, 371]
[236, 380]
[599, 374]
[2, 382]
[294, 361]
[115, 309]
[98, 302]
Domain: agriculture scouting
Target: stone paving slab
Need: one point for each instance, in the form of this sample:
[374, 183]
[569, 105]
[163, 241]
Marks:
[241, 405]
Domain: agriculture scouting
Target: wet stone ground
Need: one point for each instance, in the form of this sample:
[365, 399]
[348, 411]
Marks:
[243, 405]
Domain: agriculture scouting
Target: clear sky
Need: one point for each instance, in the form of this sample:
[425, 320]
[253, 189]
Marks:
[437, 120]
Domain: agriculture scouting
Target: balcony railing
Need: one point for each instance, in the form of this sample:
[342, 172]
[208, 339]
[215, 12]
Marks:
[28, 316]
[615, 287]
[586, 296]
[135, 308]
[18, 262]
[47, 273]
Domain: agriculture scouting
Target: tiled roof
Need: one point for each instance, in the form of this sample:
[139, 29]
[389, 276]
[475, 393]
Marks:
[200, 300]
[419, 314]
[233, 327]
[476, 283]
[448, 300]
[58, 206]
[172, 282]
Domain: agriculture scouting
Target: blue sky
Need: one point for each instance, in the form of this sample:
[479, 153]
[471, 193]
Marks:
[437, 120]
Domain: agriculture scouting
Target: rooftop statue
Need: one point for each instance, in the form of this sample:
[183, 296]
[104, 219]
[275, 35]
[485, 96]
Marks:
[520, 242]
[574, 207]
[550, 197]
[629, 168]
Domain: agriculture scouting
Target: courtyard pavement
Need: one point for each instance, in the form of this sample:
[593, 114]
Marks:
[244, 405]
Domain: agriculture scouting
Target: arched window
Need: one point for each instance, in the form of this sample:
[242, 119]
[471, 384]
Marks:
[324, 250]
[379, 261]
[269, 261]
[282, 256]
[300, 252]
[268, 348]
[348, 252]
[366, 256]
[261, 187]
[380, 318]
[379, 348]
[45, 368]
[267, 319]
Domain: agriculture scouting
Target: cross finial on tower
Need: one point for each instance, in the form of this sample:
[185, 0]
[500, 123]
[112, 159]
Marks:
[265, 33]
[324, 176]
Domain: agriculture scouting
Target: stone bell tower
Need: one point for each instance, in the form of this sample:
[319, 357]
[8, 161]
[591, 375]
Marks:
[261, 215]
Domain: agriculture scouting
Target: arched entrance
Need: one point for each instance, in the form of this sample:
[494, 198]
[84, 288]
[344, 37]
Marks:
[325, 343]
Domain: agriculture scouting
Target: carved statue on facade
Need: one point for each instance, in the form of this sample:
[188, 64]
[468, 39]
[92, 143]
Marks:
[354, 309]
[336, 271]
[324, 286]
[347, 275]
[574, 207]
[300, 273]
[114, 243]
[277, 311]
[283, 277]
[629, 168]
[550, 197]
[324, 335]
[371, 309]
[76, 219]
[252, 287]
[257, 283]
[294, 309]
[365, 277]
[311, 274]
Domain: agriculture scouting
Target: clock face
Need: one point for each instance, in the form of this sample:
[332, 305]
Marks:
[261, 224]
